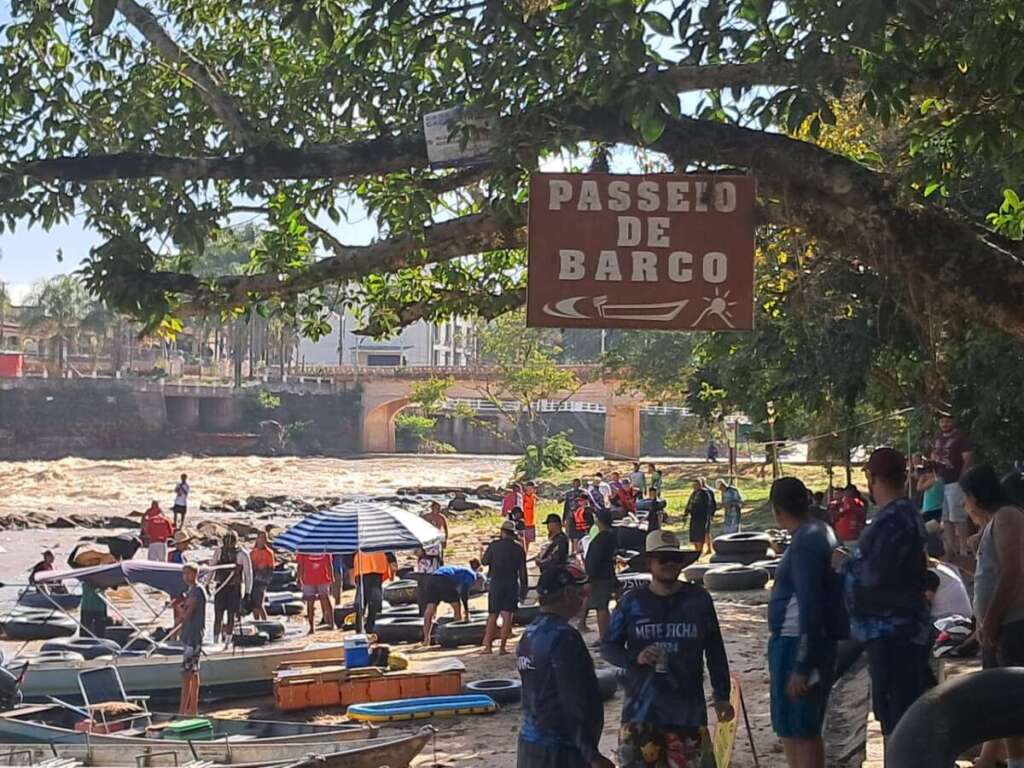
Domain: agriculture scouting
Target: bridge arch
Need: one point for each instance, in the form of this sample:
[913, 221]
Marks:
[378, 429]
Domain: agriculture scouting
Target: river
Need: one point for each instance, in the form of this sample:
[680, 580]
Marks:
[73, 485]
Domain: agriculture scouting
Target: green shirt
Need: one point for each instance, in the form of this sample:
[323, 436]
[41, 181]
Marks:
[933, 496]
[91, 600]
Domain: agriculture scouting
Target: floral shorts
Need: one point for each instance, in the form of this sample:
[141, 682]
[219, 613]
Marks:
[645, 745]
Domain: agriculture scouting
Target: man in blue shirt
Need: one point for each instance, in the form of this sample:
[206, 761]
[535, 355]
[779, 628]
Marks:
[563, 714]
[885, 583]
[661, 635]
[448, 584]
[805, 618]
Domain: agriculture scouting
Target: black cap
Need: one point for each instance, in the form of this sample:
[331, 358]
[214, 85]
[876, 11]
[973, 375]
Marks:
[553, 518]
[556, 579]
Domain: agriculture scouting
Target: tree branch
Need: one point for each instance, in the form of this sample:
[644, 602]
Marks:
[701, 77]
[475, 233]
[485, 306]
[217, 99]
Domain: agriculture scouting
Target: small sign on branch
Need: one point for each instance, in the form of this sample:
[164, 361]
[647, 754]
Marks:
[661, 251]
[459, 136]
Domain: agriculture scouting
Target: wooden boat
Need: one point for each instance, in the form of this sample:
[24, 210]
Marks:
[391, 751]
[238, 673]
[55, 724]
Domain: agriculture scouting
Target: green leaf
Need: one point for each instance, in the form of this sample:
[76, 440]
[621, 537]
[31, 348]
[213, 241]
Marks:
[659, 23]
[102, 13]
[930, 189]
[652, 125]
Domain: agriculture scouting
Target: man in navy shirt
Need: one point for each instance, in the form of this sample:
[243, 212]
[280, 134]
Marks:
[661, 635]
[805, 618]
[448, 584]
[563, 714]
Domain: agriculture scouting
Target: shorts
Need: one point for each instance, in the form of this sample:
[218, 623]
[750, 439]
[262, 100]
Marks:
[698, 528]
[502, 597]
[530, 533]
[157, 552]
[1009, 650]
[190, 655]
[645, 744]
[800, 718]
[258, 594]
[179, 509]
[228, 599]
[601, 593]
[311, 592]
[953, 510]
[530, 755]
[439, 589]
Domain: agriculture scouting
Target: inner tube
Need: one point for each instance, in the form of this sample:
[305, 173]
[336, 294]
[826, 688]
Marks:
[37, 626]
[502, 690]
[608, 682]
[35, 599]
[119, 634]
[89, 647]
[456, 633]
[958, 714]
[732, 578]
[285, 609]
[628, 581]
[742, 543]
[250, 640]
[695, 573]
[401, 592]
[55, 656]
[746, 558]
[342, 612]
[771, 566]
[273, 629]
[401, 611]
[525, 614]
[398, 629]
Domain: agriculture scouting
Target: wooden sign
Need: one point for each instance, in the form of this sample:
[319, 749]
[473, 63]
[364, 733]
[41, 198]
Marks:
[663, 251]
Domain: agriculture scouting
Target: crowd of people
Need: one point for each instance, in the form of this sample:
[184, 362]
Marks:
[865, 574]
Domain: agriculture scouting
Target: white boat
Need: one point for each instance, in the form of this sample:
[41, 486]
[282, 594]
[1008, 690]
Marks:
[392, 751]
[224, 674]
[56, 724]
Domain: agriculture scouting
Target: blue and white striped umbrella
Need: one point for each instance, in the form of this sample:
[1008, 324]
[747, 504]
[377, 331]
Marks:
[358, 527]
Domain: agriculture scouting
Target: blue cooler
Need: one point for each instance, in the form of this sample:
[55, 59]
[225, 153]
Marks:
[357, 651]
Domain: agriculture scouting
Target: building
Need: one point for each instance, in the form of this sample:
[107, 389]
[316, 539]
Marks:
[451, 343]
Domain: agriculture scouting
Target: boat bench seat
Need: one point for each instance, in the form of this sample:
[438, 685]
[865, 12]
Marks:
[198, 764]
[236, 737]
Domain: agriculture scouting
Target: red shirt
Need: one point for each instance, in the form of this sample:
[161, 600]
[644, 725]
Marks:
[156, 528]
[315, 569]
[851, 517]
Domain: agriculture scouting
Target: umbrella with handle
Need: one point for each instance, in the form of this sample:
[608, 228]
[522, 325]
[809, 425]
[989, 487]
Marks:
[355, 527]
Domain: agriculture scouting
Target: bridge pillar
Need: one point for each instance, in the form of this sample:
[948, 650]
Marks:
[622, 432]
[183, 411]
[217, 414]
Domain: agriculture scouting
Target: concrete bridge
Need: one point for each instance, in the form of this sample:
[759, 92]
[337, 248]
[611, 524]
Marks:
[383, 392]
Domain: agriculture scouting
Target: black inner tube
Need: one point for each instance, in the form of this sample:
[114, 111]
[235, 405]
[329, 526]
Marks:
[956, 715]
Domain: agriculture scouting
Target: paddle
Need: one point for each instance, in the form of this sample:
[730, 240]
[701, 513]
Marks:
[66, 705]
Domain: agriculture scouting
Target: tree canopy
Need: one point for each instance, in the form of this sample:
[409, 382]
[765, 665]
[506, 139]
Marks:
[160, 120]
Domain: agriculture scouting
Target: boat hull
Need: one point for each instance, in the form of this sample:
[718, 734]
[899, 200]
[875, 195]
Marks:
[393, 751]
[223, 674]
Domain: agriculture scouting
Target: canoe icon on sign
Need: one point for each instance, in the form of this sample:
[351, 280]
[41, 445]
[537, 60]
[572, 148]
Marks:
[567, 309]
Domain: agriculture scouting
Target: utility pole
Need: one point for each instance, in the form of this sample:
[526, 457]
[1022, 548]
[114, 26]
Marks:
[774, 445]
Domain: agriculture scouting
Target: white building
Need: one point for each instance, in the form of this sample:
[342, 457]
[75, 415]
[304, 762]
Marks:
[445, 344]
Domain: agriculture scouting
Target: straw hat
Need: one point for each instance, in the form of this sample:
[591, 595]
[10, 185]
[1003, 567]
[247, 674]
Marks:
[180, 537]
[87, 558]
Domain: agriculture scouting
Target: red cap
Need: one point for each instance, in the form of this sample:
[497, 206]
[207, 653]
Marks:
[887, 462]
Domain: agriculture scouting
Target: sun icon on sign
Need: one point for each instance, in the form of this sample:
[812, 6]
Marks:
[718, 305]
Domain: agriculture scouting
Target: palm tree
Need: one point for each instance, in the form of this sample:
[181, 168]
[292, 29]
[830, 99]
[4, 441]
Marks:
[57, 307]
